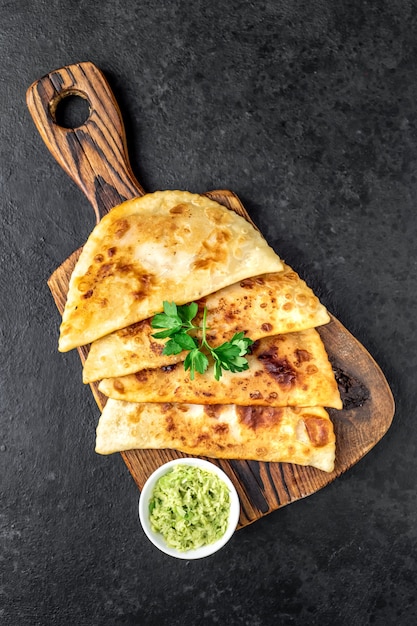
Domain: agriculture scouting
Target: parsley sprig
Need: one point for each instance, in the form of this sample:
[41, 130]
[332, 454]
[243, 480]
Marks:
[178, 328]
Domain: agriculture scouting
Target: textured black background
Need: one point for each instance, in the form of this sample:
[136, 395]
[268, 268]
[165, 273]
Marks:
[307, 110]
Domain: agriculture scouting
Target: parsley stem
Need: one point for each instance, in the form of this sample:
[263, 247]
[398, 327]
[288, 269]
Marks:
[204, 326]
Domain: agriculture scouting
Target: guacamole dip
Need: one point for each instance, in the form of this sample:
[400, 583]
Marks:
[189, 507]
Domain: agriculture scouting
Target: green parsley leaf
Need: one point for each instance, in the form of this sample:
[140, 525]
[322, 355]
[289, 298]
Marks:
[227, 351]
[162, 320]
[172, 347]
[164, 333]
[185, 341]
[243, 342]
[170, 308]
[187, 312]
[196, 361]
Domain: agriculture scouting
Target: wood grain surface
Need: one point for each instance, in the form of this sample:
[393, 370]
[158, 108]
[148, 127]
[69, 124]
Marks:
[95, 156]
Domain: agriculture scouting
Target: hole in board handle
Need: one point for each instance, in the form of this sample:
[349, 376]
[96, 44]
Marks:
[70, 109]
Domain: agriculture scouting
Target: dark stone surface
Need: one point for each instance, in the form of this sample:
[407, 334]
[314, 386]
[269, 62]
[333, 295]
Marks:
[308, 111]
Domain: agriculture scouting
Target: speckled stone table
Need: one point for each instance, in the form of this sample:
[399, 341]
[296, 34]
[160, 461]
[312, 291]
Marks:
[308, 112]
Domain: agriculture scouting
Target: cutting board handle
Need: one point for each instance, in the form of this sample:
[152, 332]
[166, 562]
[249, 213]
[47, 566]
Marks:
[95, 153]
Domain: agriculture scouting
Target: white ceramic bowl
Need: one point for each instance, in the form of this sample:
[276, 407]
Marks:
[158, 540]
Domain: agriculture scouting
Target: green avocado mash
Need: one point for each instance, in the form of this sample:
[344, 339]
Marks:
[189, 507]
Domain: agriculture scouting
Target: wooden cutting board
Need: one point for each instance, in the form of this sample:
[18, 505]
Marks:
[95, 156]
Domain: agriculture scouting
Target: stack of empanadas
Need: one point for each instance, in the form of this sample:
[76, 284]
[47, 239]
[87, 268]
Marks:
[180, 247]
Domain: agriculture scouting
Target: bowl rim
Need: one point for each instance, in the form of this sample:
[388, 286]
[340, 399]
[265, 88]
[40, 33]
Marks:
[158, 540]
